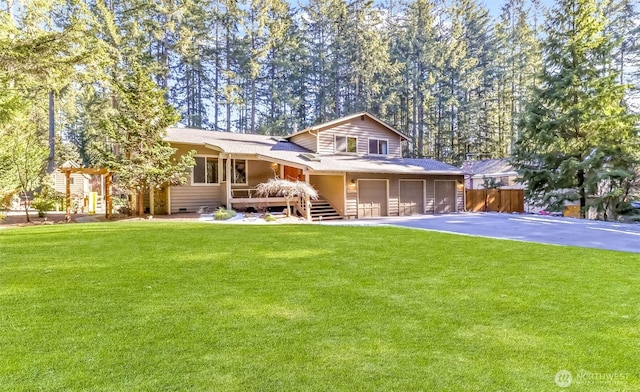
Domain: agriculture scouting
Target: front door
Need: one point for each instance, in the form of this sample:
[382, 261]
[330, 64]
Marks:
[293, 174]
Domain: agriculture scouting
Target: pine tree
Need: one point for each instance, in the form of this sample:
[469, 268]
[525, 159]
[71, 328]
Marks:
[141, 158]
[577, 133]
[624, 27]
[45, 52]
[517, 65]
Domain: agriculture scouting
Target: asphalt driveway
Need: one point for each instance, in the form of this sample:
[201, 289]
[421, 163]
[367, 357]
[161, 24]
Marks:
[532, 228]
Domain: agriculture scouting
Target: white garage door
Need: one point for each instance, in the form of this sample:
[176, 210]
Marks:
[445, 197]
[372, 198]
[411, 197]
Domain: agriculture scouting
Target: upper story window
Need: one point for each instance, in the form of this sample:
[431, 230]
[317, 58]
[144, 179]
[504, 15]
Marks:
[205, 171]
[346, 144]
[378, 146]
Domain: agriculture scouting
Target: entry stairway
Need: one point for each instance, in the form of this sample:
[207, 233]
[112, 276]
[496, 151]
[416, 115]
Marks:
[321, 209]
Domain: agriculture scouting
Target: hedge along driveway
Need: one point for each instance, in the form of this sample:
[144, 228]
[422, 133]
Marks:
[188, 306]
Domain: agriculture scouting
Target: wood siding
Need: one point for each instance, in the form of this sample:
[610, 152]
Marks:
[306, 140]
[190, 198]
[260, 171]
[351, 208]
[363, 130]
[498, 200]
[330, 188]
[80, 184]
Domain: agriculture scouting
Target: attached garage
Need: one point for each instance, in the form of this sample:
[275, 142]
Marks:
[445, 196]
[411, 200]
[372, 198]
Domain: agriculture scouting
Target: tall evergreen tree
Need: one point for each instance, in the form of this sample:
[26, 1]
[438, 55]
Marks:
[577, 132]
[517, 65]
[139, 155]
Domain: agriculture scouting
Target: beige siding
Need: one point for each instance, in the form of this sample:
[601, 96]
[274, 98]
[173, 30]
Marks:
[80, 185]
[394, 191]
[261, 171]
[330, 188]
[191, 198]
[306, 140]
[460, 196]
[363, 130]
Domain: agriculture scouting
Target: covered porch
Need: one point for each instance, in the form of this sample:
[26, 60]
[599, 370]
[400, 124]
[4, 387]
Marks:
[246, 172]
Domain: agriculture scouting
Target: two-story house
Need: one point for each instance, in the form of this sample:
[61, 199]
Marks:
[355, 163]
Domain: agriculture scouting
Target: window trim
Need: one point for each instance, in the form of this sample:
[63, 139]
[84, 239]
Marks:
[217, 158]
[379, 140]
[347, 137]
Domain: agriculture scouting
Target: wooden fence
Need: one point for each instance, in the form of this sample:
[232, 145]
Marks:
[495, 200]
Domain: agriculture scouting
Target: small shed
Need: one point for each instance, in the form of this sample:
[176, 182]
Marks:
[107, 176]
[79, 183]
[500, 170]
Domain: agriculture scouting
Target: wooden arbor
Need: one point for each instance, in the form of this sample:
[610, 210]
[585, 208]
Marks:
[108, 175]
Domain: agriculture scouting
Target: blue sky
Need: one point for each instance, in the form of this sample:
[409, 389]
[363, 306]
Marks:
[495, 6]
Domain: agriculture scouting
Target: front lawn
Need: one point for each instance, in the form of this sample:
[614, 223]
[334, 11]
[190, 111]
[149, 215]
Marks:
[155, 306]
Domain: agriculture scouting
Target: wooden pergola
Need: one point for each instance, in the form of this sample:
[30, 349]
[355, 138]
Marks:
[108, 182]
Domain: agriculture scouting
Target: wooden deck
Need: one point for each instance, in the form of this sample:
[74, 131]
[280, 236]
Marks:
[257, 202]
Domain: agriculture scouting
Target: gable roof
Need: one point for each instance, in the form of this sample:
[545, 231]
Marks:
[278, 149]
[489, 167]
[337, 121]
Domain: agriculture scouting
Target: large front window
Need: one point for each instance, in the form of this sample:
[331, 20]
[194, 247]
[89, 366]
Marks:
[346, 144]
[205, 171]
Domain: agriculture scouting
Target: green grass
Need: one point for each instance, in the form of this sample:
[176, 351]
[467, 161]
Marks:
[156, 306]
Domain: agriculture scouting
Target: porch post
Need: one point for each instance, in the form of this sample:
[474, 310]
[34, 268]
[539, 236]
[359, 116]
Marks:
[307, 208]
[228, 184]
[67, 176]
[108, 197]
[306, 177]
[152, 209]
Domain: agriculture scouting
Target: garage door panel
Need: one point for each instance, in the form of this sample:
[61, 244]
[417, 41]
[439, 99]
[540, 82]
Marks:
[445, 196]
[411, 197]
[372, 198]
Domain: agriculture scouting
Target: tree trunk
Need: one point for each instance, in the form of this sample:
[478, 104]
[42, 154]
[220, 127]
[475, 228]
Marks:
[26, 206]
[583, 198]
[51, 164]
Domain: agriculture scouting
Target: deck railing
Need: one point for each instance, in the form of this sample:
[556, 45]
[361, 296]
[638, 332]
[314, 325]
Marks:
[303, 207]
